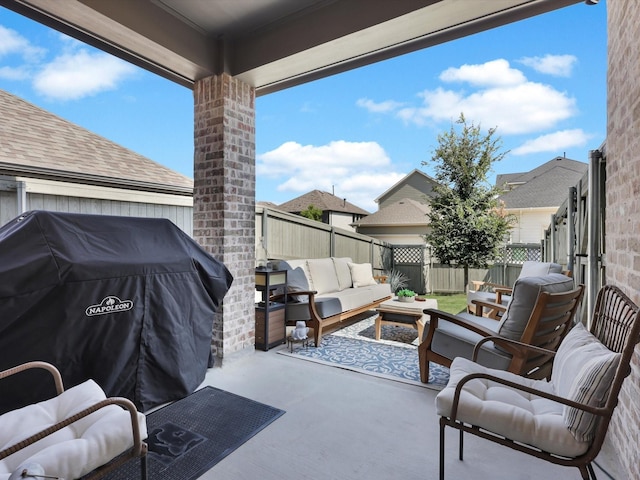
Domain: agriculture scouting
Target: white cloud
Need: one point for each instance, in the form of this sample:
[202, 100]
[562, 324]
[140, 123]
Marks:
[514, 105]
[553, 142]
[11, 42]
[80, 74]
[494, 73]
[357, 171]
[557, 65]
[14, 73]
[380, 107]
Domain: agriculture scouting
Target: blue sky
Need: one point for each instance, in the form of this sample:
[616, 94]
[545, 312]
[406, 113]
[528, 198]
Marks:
[541, 82]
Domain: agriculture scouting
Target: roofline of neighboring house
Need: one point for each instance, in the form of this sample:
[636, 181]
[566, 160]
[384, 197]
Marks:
[356, 224]
[511, 209]
[90, 179]
[402, 180]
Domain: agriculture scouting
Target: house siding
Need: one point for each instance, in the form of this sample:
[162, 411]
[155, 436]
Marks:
[531, 224]
[415, 187]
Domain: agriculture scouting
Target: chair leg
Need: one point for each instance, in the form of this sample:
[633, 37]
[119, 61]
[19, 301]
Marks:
[460, 448]
[592, 473]
[143, 467]
[442, 448]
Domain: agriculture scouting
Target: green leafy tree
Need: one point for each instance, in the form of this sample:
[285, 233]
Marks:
[468, 223]
[313, 213]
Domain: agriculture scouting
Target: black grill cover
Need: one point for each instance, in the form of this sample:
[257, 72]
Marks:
[128, 302]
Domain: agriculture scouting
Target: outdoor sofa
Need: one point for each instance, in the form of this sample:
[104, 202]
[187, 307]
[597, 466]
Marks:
[325, 291]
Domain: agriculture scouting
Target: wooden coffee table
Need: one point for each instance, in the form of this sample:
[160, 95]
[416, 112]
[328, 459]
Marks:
[394, 312]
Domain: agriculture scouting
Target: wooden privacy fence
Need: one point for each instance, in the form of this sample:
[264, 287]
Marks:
[286, 236]
[281, 235]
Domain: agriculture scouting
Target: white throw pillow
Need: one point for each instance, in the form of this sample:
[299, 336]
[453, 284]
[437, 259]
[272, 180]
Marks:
[361, 274]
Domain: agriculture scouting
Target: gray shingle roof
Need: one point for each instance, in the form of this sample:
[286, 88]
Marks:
[402, 212]
[36, 142]
[325, 201]
[545, 186]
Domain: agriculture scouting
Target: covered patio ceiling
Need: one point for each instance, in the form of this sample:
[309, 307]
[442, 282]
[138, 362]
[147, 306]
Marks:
[270, 44]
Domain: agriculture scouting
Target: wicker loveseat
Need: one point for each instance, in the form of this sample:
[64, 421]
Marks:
[326, 291]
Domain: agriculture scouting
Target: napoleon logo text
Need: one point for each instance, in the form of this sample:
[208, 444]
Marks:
[109, 304]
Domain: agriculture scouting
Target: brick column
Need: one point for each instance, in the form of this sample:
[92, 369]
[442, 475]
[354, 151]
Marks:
[224, 201]
[623, 205]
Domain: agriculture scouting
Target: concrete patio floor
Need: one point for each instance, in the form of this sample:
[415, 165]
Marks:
[345, 425]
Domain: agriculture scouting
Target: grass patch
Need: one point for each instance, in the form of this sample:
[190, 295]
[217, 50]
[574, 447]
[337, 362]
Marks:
[450, 302]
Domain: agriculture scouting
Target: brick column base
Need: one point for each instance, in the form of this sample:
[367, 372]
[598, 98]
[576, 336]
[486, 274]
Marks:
[224, 201]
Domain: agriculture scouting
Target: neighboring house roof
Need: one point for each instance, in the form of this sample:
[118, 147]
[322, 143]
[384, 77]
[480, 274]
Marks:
[325, 201]
[268, 205]
[38, 143]
[415, 178]
[404, 212]
[544, 186]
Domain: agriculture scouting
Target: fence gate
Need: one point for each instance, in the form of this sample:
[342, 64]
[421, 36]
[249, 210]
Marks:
[410, 260]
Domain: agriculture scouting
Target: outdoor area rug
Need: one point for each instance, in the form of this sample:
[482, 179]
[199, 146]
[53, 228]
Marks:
[354, 347]
[188, 437]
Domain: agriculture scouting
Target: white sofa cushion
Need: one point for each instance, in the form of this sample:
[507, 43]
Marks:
[343, 272]
[517, 415]
[76, 449]
[361, 274]
[583, 370]
[323, 275]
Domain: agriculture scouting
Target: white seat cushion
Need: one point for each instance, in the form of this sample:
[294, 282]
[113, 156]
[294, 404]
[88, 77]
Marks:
[516, 415]
[76, 449]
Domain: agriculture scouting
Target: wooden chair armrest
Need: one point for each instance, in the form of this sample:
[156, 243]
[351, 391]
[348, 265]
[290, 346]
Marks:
[479, 284]
[512, 346]
[55, 373]
[138, 446]
[600, 411]
[280, 296]
[436, 314]
[380, 278]
[498, 307]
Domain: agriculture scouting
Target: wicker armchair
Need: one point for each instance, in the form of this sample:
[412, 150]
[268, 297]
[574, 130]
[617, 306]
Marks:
[76, 433]
[564, 420]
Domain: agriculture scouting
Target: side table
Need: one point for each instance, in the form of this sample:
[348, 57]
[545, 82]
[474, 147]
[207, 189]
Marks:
[270, 316]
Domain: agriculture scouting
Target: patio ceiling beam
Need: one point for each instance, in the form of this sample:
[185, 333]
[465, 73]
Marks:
[271, 45]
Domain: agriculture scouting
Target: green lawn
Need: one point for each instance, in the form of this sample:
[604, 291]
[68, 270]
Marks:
[450, 302]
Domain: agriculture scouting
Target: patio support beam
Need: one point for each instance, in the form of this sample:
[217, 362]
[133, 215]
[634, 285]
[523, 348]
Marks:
[224, 201]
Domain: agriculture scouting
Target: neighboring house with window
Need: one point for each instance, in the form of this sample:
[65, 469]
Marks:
[48, 163]
[532, 197]
[336, 211]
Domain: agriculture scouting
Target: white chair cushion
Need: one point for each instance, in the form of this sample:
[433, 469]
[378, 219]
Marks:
[361, 274]
[75, 450]
[582, 371]
[517, 415]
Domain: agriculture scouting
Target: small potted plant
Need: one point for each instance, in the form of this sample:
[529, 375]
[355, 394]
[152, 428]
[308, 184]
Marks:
[406, 295]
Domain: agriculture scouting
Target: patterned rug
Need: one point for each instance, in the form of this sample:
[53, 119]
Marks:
[354, 347]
